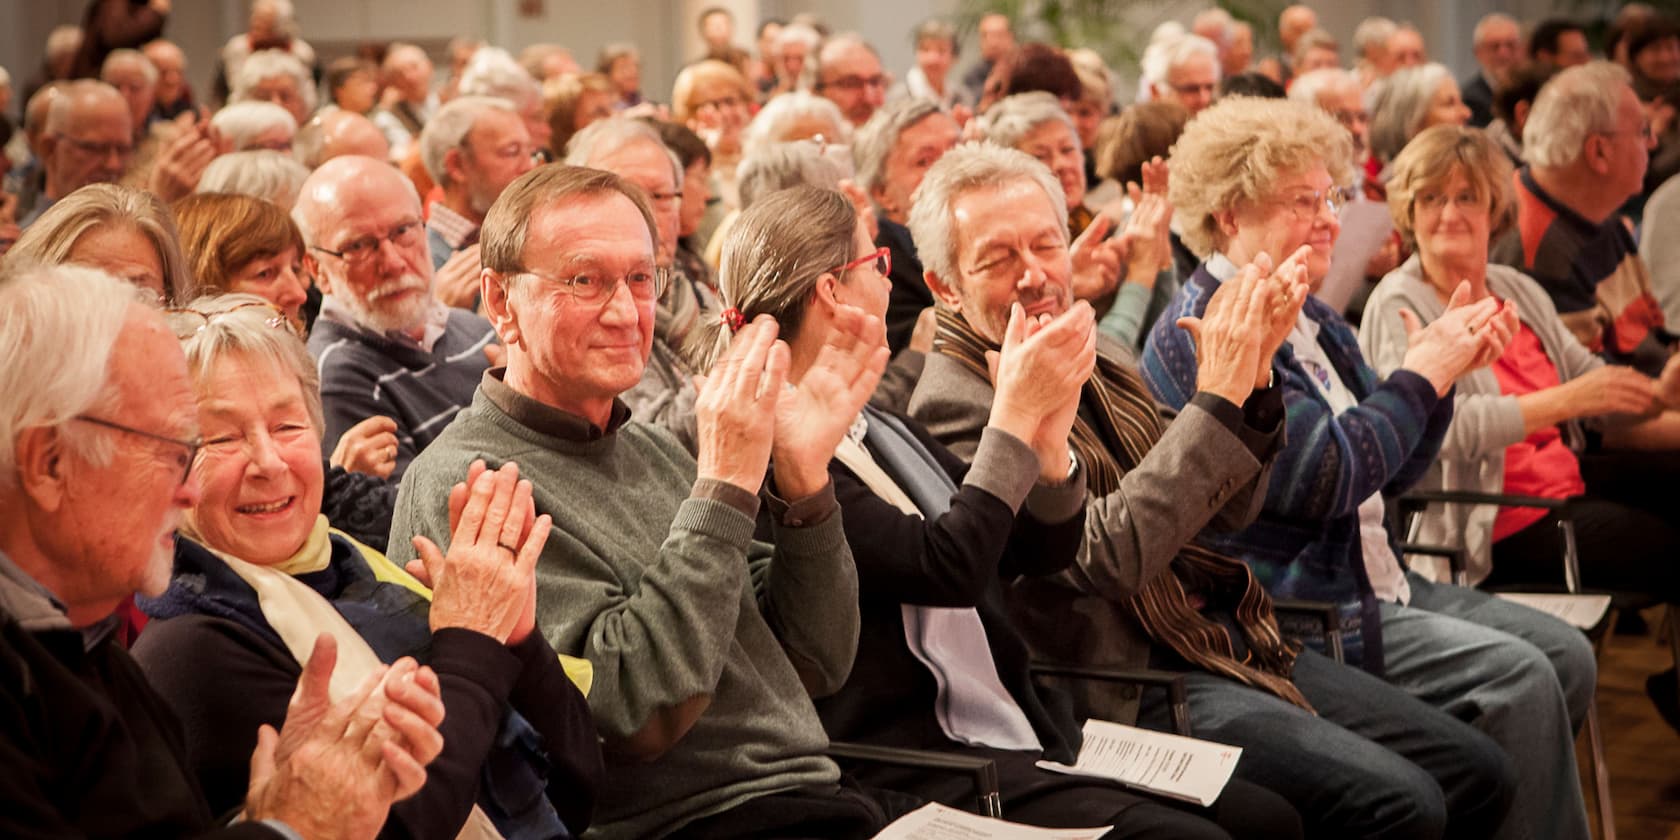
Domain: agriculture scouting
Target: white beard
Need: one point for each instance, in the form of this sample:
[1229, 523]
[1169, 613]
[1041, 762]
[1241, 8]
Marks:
[374, 314]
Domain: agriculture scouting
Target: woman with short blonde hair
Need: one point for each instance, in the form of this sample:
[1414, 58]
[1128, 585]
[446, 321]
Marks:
[1511, 424]
[1259, 178]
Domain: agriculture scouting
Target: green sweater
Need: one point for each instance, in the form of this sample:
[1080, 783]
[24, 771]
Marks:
[656, 580]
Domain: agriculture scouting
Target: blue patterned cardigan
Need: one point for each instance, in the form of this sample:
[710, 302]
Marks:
[1306, 542]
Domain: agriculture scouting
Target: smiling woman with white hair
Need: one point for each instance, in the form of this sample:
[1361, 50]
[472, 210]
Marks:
[1036, 124]
[265, 573]
[262, 173]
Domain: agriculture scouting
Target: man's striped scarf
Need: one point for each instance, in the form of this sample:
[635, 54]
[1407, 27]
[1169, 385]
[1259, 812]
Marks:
[1122, 407]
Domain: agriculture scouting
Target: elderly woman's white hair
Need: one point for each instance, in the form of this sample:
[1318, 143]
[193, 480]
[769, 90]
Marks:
[1012, 118]
[262, 173]
[1399, 105]
[1308, 86]
[449, 127]
[266, 64]
[1159, 60]
[874, 141]
[1237, 150]
[243, 122]
[54, 235]
[58, 328]
[780, 166]
[970, 166]
[799, 33]
[785, 112]
[493, 71]
[1372, 32]
[248, 328]
[1575, 104]
[604, 136]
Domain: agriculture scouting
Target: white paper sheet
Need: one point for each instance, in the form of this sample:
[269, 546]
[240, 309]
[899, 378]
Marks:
[937, 822]
[1171, 765]
[1583, 611]
[1365, 229]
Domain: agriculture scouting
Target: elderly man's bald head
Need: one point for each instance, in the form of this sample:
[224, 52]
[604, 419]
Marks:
[1294, 22]
[337, 133]
[325, 198]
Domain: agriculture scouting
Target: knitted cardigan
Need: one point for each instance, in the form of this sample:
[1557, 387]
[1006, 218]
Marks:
[1306, 542]
[1485, 421]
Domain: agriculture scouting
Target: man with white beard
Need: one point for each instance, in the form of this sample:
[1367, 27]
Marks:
[384, 345]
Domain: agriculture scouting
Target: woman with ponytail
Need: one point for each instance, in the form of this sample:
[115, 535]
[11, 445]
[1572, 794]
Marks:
[939, 664]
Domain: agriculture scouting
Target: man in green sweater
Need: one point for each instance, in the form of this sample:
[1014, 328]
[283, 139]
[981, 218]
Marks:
[707, 646]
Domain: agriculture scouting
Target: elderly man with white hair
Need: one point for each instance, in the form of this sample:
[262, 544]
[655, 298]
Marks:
[274, 76]
[88, 139]
[1588, 142]
[1357, 758]
[849, 72]
[472, 149]
[493, 72]
[132, 74]
[1497, 43]
[707, 645]
[98, 436]
[172, 96]
[1184, 70]
[385, 345]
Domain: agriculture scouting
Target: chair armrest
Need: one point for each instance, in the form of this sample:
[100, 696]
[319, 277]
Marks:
[1458, 560]
[1467, 497]
[1178, 707]
[981, 772]
[1325, 614]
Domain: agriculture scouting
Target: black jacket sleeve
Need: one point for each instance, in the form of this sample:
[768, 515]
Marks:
[949, 562]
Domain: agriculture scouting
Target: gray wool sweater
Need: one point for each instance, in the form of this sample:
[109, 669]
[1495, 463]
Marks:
[656, 580]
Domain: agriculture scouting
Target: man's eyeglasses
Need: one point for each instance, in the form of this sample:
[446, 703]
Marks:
[853, 84]
[363, 249]
[882, 258]
[190, 322]
[121, 149]
[593, 287]
[1307, 205]
[722, 102]
[186, 460]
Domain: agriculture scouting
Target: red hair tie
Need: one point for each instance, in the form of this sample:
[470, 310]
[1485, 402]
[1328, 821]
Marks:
[733, 319]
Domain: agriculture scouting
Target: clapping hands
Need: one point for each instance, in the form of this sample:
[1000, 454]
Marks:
[334, 769]
[487, 581]
[1246, 320]
[1038, 374]
[1469, 335]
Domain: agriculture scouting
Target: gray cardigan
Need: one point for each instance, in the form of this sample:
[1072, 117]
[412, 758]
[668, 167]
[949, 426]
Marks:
[1485, 421]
